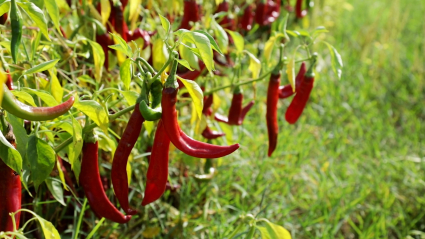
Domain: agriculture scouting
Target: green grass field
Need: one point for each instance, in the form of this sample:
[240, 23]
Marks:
[352, 166]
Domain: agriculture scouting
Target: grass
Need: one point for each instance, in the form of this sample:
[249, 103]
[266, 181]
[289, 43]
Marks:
[351, 167]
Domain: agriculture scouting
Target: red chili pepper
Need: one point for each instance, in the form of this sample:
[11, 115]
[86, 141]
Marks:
[286, 90]
[210, 134]
[93, 188]
[246, 20]
[191, 13]
[271, 113]
[3, 18]
[63, 32]
[208, 101]
[23, 111]
[119, 164]
[10, 194]
[157, 175]
[299, 102]
[299, 12]
[9, 81]
[236, 112]
[179, 139]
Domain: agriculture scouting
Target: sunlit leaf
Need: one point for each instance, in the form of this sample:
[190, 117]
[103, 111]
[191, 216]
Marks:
[105, 10]
[254, 65]
[272, 231]
[95, 112]
[165, 23]
[290, 71]
[237, 39]
[196, 94]
[336, 60]
[37, 15]
[41, 67]
[126, 71]
[53, 10]
[99, 59]
[55, 87]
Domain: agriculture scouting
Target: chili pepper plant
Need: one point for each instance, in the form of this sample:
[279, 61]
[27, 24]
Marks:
[108, 107]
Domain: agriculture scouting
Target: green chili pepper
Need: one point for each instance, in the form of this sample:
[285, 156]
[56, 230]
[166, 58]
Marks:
[155, 111]
[16, 23]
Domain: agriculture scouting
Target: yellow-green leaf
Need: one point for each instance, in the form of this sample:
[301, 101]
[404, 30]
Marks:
[130, 97]
[95, 112]
[196, 94]
[237, 39]
[134, 9]
[99, 59]
[36, 14]
[41, 67]
[4, 7]
[126, 71]
[165, 23]
[290, 71]
[254, 65]
[105, 10]
[159, 54]
[44, 96]
[53, 10]
[3, 79]
[75, 148]
[24, 96]
[272, 231]
[55, 87]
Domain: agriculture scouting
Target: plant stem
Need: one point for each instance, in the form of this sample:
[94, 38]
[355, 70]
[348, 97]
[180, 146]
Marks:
[146, 64]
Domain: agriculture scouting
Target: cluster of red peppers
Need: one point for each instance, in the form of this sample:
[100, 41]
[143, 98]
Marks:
[303, 85]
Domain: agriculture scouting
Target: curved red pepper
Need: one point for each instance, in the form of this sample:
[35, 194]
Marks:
[211, 134]
[236, 112]
[246, 20]
[286, 90]
[117, 21]
[271, 113]
[299, 102]
[119, 164]
[23, 111]
[179, 139]
[10, 196]
[299, 12]
[191, 13]
[93, 188]
[157, 175]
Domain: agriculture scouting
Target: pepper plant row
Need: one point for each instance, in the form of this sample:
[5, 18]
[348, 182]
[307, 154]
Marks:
[104, 59]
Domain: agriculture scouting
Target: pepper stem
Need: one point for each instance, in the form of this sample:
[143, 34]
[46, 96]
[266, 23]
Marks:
[172, 80]
[310, 71]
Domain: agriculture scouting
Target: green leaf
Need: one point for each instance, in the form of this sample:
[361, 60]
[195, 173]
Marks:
[55, 188]
[159, 54]
[4, 7]
[54, 85]
[49, 230]
[188, 55]
[95, 112]
[319, 30]
[212, 41]
[130, 97]
[36, 14]
[184, 63]
[99, 59]
[203, 45]
[293, 33]
[254, 65]
[53, 11]
[42, 159]
[290, 71]
[272, 231]
[221, 35]
[10, 155]
[34, 45]
[126, 71]
[196, 94]
[87, 79]
[21, 138]
[41, 67]
[123, 47]
[22, 95]
[165, 23]
[237, 39]
[75, 148]
[44, 96]
[336, 60]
